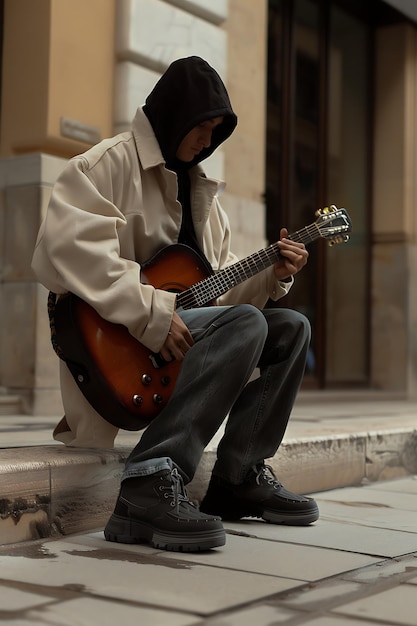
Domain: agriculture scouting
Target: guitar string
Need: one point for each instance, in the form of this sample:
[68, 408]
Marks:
[206, 290]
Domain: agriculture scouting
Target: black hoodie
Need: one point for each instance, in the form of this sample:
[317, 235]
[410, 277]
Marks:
[188, 93]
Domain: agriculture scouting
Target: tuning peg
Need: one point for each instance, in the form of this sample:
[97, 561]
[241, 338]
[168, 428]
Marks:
[326, 210]
[338, 239]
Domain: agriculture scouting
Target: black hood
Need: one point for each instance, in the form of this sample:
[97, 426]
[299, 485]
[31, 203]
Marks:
[187, 94]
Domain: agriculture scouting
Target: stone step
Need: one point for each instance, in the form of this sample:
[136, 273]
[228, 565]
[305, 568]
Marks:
[51, 490]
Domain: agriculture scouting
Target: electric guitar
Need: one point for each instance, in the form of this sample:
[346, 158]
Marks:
[124, 381]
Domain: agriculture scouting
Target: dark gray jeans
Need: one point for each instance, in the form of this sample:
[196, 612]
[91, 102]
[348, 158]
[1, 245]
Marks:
[230, 342]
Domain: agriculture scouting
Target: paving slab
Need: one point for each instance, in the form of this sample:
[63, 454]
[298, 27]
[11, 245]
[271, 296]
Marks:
[336, 620]
[368, 515]
[335, 535]
[386, 505]
[395, 606]
[300, 562]
[403, 485]
[261, 615]
[92, 611]
[398, 569]
[16, 600]
[373, 498]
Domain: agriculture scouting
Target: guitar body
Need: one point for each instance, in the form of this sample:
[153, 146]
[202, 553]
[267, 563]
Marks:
[122, 379]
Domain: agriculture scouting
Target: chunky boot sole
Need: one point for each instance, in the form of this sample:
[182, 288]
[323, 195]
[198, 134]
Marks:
[299, 518]
[127, 530]
[296, 518]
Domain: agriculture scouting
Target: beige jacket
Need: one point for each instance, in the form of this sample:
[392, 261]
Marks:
[112, 209]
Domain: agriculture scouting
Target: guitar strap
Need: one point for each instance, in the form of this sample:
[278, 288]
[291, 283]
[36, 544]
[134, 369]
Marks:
[78, 371]
[52, 297]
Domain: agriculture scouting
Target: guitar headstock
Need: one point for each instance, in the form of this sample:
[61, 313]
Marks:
[333, 224]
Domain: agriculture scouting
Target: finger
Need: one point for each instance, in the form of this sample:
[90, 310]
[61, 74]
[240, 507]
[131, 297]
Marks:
[188, 340]
[180, 332]
[166, 354]
[293, 245]
[173, 349]
[294, 252]
[182, 341]
[293, 256]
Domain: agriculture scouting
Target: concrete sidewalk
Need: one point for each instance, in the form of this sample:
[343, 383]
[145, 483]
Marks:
[357, 565]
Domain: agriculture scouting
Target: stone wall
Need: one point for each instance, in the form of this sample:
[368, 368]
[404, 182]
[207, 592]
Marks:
[28, 365]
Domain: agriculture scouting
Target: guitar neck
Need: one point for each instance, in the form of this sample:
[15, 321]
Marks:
[207, 290]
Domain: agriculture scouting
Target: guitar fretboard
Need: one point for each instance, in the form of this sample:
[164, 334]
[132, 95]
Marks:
[207, 290]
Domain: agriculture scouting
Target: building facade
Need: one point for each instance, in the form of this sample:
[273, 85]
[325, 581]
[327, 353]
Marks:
[326, 95]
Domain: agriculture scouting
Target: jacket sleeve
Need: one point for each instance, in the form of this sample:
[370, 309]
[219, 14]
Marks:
[78, 251]
[256, 290]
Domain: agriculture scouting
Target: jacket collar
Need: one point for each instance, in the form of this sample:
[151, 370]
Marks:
[147, 146]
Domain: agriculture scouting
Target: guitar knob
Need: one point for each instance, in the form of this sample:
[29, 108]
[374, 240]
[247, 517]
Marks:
[165, 380]
[137, 400]
[146, 380]
[157, 398]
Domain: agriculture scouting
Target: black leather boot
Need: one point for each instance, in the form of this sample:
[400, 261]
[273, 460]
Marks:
[155, 509]
[260, 495]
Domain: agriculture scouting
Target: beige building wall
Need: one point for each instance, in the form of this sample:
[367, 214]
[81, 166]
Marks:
[245, 151]
[58, 62]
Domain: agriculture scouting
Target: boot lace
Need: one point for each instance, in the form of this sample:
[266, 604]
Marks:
[176, 491]
[265, 473]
